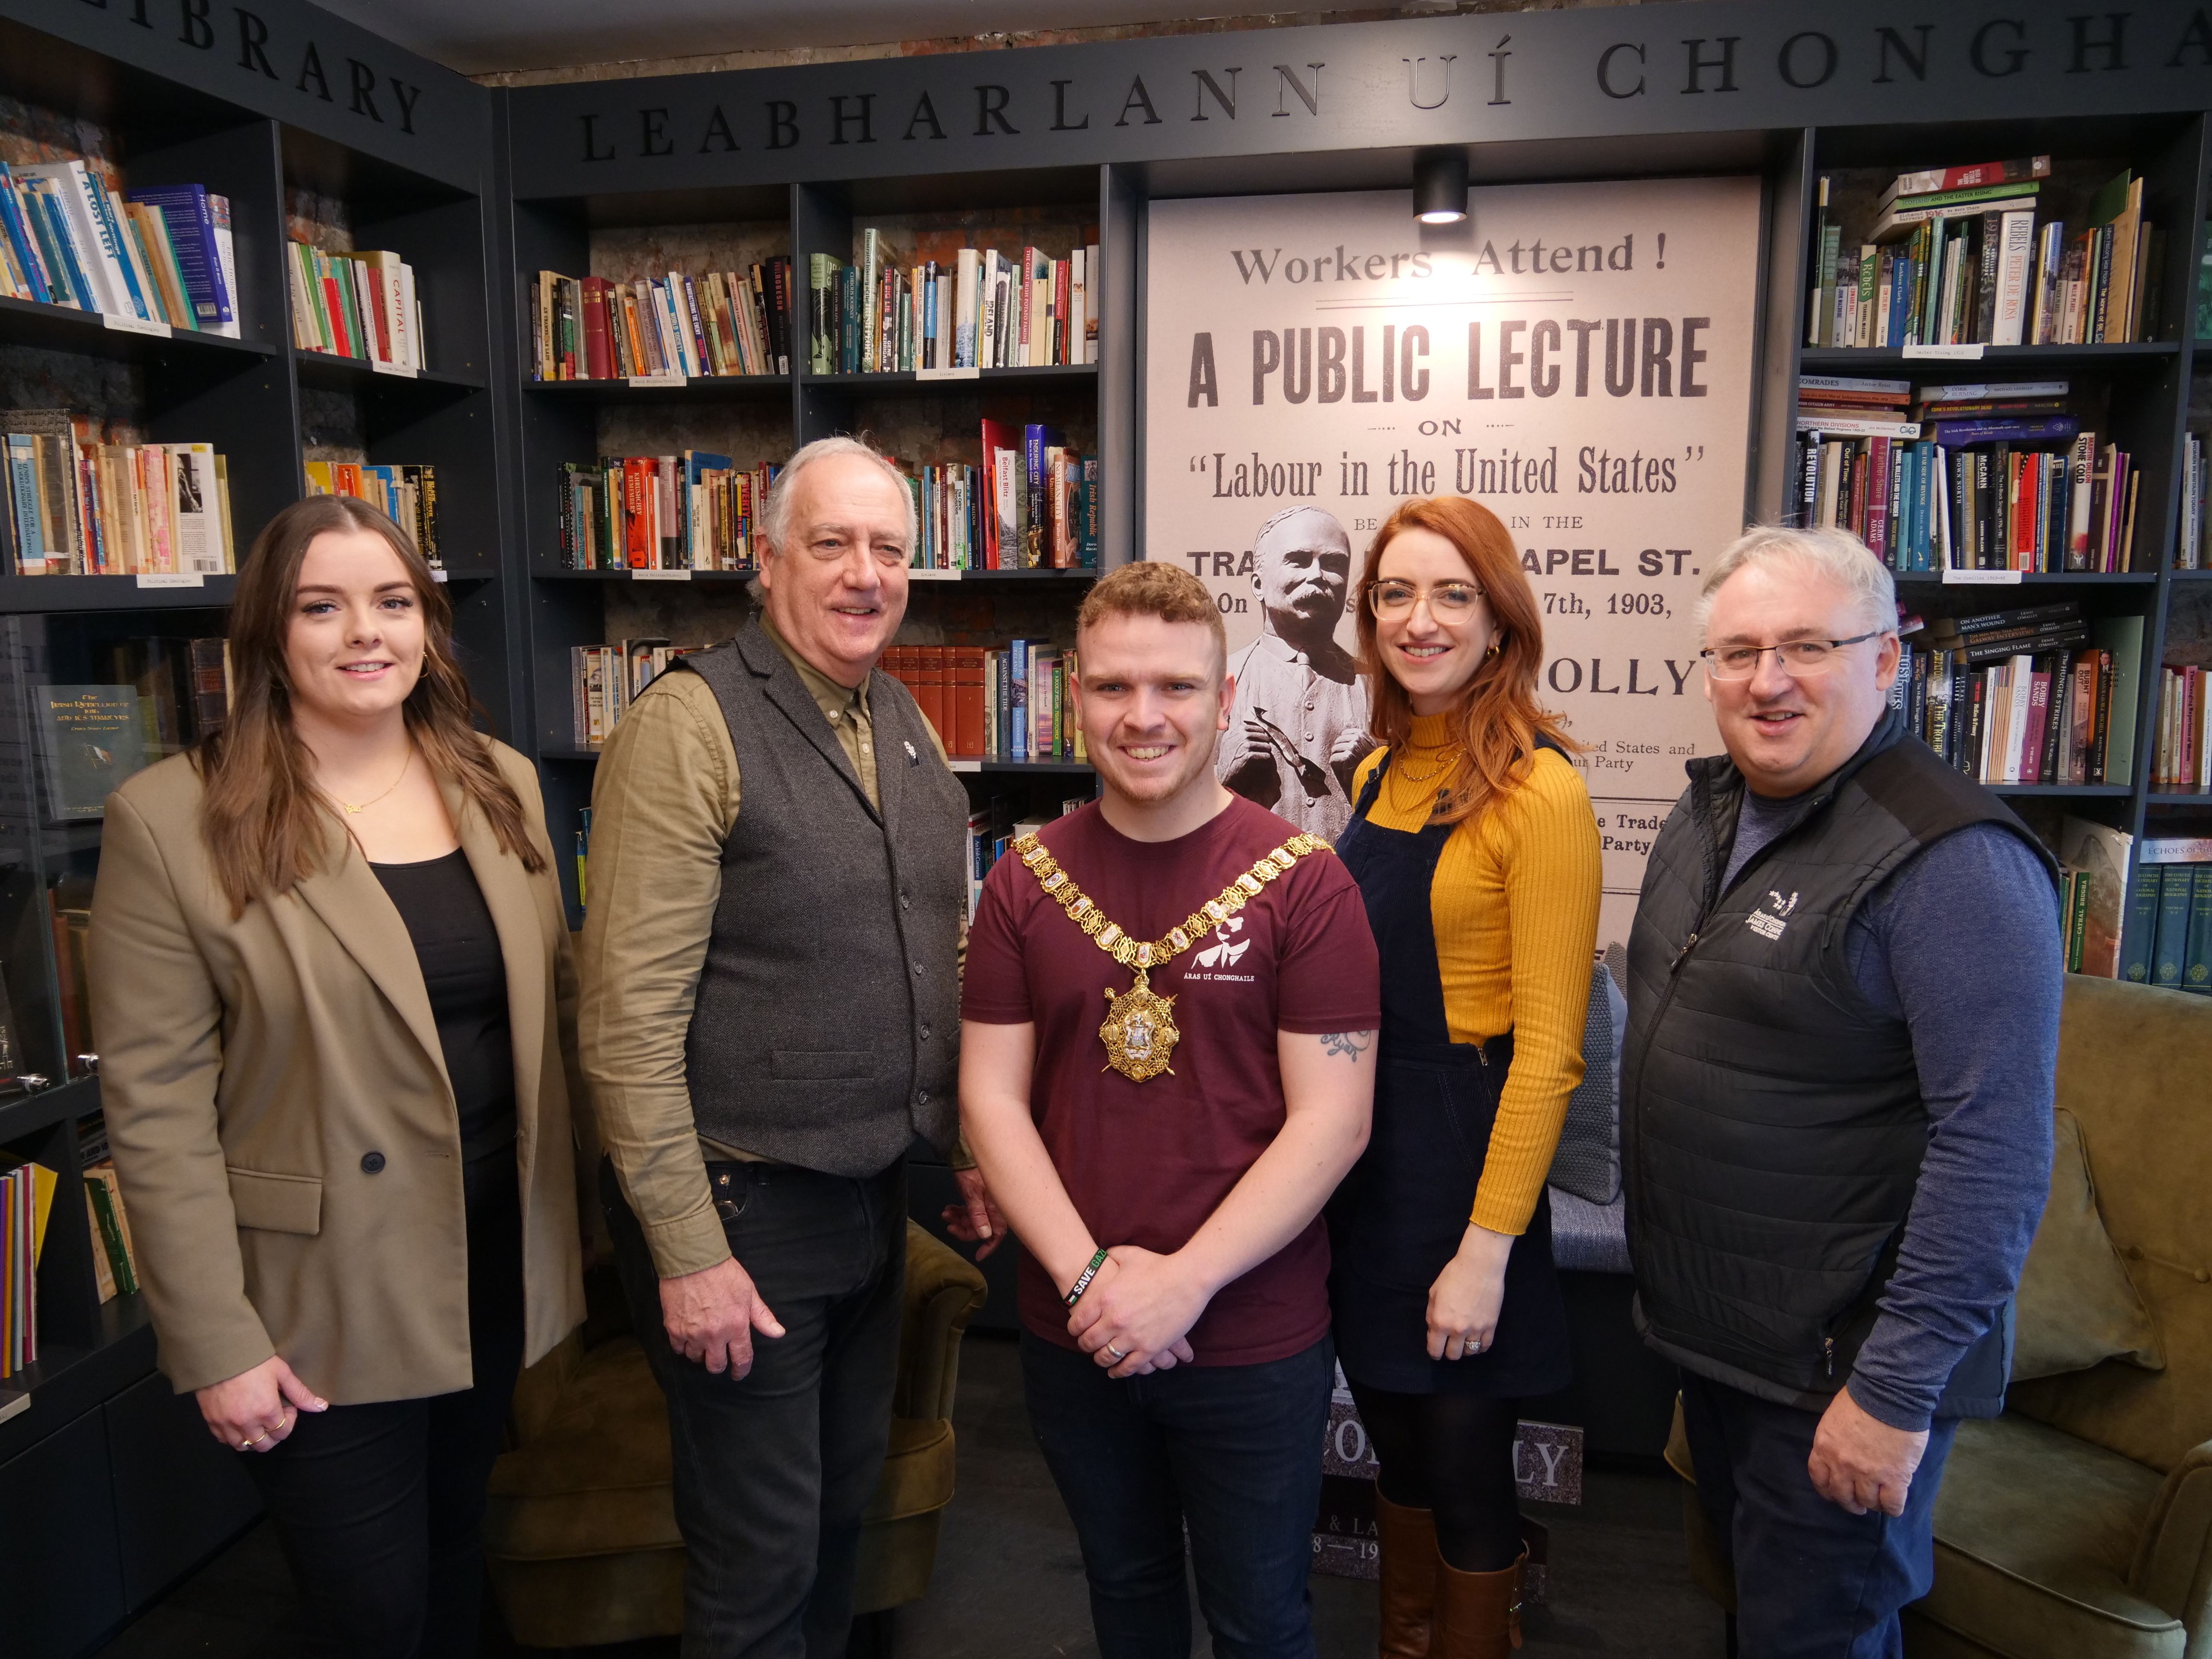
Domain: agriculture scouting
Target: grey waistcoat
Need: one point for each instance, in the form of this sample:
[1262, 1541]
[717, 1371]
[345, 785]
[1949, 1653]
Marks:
[1771, 1123]
[826, 1030]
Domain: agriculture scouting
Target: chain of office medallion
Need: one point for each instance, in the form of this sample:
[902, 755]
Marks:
[1061, 888]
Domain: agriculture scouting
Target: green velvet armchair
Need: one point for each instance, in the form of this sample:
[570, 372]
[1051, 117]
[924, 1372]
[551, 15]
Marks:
[2079, 1524]
[580, 1533]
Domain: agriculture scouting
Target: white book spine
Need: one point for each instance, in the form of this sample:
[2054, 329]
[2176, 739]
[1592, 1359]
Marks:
[2016, 261]
[67, 181]
[963, 311]
[2023, 683]
[1094, 299]
[1077, 305]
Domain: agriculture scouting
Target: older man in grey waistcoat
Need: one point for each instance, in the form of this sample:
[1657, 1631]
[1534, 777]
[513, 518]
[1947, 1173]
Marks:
[770, 1018]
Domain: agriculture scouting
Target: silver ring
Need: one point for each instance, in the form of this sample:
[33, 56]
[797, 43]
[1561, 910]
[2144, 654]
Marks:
[1474, 1344]
[1115, 1351]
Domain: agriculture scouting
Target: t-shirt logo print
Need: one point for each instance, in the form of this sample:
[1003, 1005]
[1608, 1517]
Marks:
[1224, 954]
[1769, 921]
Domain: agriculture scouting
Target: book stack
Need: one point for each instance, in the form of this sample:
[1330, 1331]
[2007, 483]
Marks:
[690, 512]
[408, 494]
[2022, 696]
[983, 311]
[162, 257]
[27, 1198]
[604, 680]
[1955, 258]
[356, 305]
[720, 323]
[1978, 478]
[81, 507]
[1043, 499]
[2170, 926]
[180, 689]
[2183, 759]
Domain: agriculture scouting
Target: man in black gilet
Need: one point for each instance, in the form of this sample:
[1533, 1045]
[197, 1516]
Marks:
[770, 1016]
[1836, 1092]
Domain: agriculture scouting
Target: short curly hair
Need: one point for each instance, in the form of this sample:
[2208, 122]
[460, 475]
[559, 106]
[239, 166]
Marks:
[1147, 588]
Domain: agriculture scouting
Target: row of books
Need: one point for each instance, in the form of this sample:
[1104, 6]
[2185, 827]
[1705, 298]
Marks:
[2033, 695]
[1981, 478]
[1964, 264]
[2182, 758]
[2170, 931]
[408, 493]
[81, 507]
[355, 304]
[603, 681]
[160, 257]
[722, 323]
[992, 828]
[1033, 504]
[695, 511]
[983, 311]
[27, 1198]
[1008, 702]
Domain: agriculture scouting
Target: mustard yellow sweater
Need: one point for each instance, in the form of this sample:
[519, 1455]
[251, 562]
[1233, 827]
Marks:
[1515, 906]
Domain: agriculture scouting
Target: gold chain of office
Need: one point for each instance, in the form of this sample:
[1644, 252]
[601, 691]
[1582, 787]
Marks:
[1140, 1032]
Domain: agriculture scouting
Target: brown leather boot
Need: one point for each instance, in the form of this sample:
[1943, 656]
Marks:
[1407, 1541]
[1478, 1614]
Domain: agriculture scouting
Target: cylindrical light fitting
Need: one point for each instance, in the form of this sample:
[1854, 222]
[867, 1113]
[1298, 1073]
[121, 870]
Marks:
[1440, 186]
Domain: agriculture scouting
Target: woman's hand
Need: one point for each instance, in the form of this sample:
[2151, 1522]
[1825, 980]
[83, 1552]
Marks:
[1464, 1301]
[255, 1410]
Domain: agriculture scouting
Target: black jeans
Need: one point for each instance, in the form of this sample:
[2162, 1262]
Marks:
[773, 1471]
[379, 1508]
[1233, 1451]
[1813, 1581]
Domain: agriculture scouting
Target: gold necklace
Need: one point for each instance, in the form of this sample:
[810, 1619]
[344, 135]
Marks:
[1443, 768]
[1140, 1032]
[354, 811]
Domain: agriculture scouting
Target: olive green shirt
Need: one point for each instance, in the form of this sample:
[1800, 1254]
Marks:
[664, 803]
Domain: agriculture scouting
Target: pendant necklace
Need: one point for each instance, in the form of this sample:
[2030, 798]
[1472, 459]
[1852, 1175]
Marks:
[355, 811]
[1140, 1032]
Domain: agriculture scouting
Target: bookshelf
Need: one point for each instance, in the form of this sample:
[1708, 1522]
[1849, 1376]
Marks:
[110, 1487]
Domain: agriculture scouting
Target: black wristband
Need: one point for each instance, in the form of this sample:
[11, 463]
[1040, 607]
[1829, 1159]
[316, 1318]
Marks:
[1084, 1284]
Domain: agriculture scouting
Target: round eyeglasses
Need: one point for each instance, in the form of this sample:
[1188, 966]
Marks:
[1801, 659]
[1449, 602]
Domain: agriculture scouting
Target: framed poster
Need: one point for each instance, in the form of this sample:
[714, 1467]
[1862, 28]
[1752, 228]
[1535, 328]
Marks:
[1577, 357]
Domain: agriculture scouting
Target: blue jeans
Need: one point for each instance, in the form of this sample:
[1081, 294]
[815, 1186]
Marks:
[1233, 1451]
[1813, 1581]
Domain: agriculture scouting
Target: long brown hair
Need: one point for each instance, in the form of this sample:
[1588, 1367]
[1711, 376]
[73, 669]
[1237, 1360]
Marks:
[264, 820]
[1498, 720]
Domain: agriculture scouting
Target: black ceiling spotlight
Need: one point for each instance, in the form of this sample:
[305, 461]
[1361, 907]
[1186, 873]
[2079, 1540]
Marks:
[1440, 186]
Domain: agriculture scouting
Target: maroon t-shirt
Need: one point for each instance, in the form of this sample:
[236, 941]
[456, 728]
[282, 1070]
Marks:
[1146, 1163]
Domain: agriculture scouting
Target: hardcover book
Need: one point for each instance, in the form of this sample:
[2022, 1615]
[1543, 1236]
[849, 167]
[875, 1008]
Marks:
[91, 737]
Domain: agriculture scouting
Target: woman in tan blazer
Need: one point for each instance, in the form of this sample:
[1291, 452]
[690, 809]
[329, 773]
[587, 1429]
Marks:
[333, 998]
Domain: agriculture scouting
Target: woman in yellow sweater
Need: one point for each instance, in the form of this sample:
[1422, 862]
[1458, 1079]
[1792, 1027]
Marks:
[1476, 852]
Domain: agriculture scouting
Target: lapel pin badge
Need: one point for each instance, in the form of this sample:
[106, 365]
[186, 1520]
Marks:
[912, 759]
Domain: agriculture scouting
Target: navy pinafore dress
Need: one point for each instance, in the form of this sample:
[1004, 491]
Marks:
[1399, 1217]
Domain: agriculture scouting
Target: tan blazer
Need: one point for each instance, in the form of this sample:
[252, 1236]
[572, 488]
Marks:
[279, 1110]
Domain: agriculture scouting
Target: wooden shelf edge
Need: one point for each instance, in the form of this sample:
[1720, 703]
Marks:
[20, 320]
[28, 1114]
[22, 594]
[1888, 356]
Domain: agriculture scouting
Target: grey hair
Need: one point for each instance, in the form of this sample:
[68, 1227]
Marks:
[1837, 555]
[775, 520]
[1290, 512]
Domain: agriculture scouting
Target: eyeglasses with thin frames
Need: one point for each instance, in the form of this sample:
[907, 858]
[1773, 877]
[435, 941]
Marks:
[1449, 602]
[1801, 659]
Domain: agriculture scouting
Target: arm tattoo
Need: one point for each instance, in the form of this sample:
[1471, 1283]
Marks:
[1350, 1044]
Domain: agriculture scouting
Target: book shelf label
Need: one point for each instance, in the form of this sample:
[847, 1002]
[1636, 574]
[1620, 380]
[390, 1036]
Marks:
[965, 765]
[1970, 353]
[170, 579]
[123, 324]
[404, 370]
[642, 575]
[657, 382]
[926, 573]
[1981, 578]
[948, 374]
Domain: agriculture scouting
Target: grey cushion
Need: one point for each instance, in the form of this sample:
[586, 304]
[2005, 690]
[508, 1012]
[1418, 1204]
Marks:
[1587, 1161]
[1586, 1237]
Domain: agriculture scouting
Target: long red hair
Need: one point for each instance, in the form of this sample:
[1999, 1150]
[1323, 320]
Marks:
[1498, 719]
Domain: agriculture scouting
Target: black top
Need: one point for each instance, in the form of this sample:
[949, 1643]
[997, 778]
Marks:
[458, 949]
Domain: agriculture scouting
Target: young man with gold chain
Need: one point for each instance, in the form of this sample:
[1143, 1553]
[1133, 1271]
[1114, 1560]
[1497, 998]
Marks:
[1166, 1170]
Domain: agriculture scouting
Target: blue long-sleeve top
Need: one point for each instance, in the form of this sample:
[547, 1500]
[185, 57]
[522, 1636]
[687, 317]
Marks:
[1962, 944]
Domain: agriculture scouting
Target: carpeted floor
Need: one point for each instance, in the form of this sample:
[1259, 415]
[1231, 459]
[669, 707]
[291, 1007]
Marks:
[1009, 1583]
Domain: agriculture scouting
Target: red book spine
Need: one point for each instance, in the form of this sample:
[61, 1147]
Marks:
[598, 355]
[2038, 714]
[643, 545]
[933, 678]
[967, 693]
